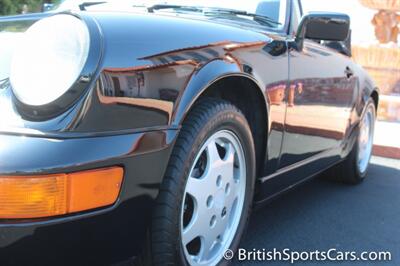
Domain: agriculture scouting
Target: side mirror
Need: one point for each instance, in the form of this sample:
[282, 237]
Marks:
[341, 47]
[323, 27]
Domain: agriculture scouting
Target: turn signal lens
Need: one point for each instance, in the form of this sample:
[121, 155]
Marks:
[23, 197]
[93, 189]
[29, 197]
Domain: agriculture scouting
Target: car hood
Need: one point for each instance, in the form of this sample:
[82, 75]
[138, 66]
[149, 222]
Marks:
[129, 38]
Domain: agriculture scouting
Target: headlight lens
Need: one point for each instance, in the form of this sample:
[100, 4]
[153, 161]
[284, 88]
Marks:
[49, 59]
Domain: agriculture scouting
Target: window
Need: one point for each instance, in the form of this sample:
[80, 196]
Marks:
[275, 9]
[296, 17]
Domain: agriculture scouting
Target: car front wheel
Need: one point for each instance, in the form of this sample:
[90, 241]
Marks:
[205, 199]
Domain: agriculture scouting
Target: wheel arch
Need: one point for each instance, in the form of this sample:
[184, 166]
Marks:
[367, 90]
[375, 97]
[225, 80]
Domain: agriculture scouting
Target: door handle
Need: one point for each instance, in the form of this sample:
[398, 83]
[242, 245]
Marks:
[349, 72]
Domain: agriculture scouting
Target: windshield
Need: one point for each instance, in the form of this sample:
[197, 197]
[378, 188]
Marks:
[274, 10]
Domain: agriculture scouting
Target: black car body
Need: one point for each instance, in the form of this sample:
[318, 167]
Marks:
[144, 74]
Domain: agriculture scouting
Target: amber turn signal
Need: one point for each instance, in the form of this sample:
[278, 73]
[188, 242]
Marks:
[23, 197]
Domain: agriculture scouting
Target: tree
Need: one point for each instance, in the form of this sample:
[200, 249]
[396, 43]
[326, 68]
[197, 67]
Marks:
[12, 7]
[8, 7]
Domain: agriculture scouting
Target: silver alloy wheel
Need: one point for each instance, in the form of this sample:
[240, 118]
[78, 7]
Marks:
[213, 199]
[366, 140]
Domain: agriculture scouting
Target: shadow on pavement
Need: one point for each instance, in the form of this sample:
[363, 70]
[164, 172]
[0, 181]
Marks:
[321, 214]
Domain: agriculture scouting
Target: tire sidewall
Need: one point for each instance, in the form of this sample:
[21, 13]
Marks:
[236, 123]
[359, 174]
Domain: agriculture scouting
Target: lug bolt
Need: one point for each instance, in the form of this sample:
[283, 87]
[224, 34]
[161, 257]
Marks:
[223, 214]
[210, 201]
[213, 221]
[219, 181]
[227, 188]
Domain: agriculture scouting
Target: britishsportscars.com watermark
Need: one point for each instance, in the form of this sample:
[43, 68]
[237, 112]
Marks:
[292, 257]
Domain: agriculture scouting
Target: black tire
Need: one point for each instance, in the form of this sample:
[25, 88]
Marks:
[348, 170]
[207, 117]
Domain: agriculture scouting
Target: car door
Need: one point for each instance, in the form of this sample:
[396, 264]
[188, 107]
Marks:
[320, 97]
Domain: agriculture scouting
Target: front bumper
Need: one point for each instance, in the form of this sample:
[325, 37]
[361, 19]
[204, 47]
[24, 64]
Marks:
[100, 237]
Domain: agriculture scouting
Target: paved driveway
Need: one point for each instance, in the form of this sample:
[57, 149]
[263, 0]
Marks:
[321, 215]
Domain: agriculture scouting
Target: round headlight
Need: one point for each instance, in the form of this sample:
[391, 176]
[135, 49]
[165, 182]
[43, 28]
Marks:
[49, 59]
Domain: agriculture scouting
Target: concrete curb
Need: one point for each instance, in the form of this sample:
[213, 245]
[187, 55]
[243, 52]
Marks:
[387, 152]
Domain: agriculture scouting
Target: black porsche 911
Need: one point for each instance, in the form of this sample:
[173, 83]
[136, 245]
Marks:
[148, 132]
